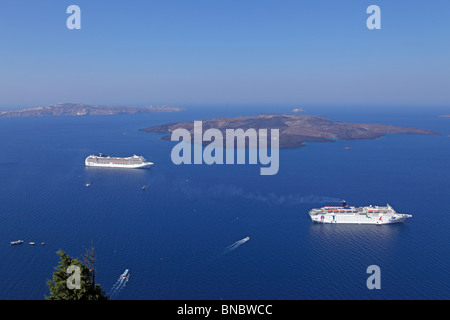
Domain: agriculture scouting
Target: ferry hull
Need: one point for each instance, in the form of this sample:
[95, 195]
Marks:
[359, 219]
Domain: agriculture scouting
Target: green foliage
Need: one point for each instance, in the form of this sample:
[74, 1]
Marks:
[58, 285]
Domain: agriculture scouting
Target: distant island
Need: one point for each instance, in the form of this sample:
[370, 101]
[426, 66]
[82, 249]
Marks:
[445, 116]
[296, 129]
[73, 109]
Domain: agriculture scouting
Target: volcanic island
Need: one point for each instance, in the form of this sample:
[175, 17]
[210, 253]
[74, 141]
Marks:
[294, 129]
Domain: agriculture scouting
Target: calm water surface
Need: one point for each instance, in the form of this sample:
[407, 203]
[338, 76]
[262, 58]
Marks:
[172, 236]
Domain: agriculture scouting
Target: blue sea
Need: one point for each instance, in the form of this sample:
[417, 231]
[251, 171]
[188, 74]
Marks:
[173, 236]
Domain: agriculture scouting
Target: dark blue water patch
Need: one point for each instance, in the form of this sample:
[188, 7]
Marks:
[173, 234]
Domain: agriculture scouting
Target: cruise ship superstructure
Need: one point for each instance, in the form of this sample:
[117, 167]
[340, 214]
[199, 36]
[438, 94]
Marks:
[134, 162]
[358, 215]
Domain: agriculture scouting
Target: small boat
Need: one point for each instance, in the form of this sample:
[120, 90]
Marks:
[87, 184]
[42, 243]
[144, 187]
[16, 242]
[31, 243]
[246, 239]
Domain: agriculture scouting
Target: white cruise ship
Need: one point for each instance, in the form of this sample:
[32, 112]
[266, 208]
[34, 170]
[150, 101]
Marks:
[358, 215]
[133, 162]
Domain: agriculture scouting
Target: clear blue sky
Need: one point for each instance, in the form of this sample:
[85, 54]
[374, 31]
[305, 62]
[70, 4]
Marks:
[188, 52]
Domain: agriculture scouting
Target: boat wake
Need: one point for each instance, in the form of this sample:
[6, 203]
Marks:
[235, 245]
[120, 284]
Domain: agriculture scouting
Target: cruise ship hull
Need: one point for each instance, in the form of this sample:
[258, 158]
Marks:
[124, 166]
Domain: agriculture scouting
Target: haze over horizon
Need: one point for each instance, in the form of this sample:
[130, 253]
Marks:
[225, 52]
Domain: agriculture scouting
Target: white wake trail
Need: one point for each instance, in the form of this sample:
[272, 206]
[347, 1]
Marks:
[121, 286]
[118, 286]
[115, 285]
[235, 245]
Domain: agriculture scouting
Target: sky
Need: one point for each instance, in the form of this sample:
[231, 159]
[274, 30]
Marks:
[216, 52]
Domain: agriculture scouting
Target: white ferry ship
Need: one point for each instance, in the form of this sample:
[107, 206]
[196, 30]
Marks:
[361, 215]
[133, 162]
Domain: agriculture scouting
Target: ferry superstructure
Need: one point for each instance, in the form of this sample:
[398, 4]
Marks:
[134, 162]
[358, 215]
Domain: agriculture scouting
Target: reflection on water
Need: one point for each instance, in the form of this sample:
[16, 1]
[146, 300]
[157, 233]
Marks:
[358, 238]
